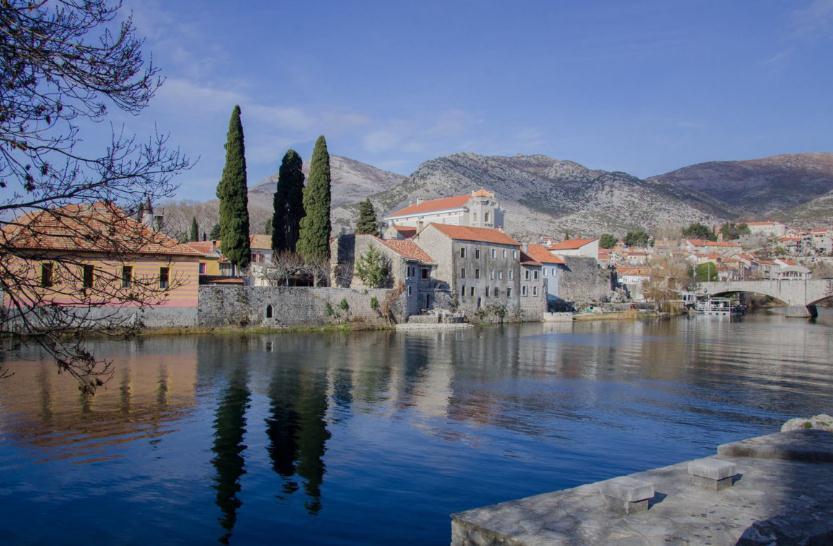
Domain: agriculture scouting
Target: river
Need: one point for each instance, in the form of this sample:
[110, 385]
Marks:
[376, 437]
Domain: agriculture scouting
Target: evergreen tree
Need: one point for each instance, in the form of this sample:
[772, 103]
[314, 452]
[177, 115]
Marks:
[314, 237]
[288, 203]
[195, 230]
[607, 240]
[267, 227]
[367, 219]
[637, 237]
[699, 231]
[215, 232]
[232, 192]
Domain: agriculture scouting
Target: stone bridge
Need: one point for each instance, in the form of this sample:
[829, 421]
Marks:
[801, 296]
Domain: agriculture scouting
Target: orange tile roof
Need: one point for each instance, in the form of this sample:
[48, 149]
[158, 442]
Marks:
[407, 249]
[100, 227]
[260, 242]
[724, 244]
[432, 205]
[643, 271]
[479, 234]
[570, 244]
[204, 247]
[541, 254]
[526, 259]
[482, 192]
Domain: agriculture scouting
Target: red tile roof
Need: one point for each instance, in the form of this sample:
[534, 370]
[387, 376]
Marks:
[407, 249]
[478, 234]
[433, 205]
[642, 271]
[260, 242]
[405, 231]
[100, 227]
[702, 242]
[204, 247]
[526, 259]
[570, 244]
[541, 254]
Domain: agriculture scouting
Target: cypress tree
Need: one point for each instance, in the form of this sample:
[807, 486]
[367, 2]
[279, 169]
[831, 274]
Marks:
[288, 203]
[232, 192]
[195, 229]
[215, 232]
[314, 237]
[367, 224]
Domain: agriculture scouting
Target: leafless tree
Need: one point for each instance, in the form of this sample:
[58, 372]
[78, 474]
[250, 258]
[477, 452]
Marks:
[63, 65]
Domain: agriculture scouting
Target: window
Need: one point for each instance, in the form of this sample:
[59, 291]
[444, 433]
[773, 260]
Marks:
[486, 217]
[268, 311]
[487, 291]
[497, 292]
[88, 276]
[476, 253]
[202, 268]
[46, 275]
[494, 253]
[410, 289]
[523, 290]
[534, 290]
[504, 252]
[462, 252]
[511, 274]
[535, 274]
[127, 276]
[471, 291]
[545, 271]
[514, 253]
[476, 273]
[164, 277]
[463, 293]
[462, 272]
[508, 292]
[526, 274]
[425, 272]
[500, 275]
[493, 274]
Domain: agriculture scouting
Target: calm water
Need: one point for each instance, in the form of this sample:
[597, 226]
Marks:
[375, 438]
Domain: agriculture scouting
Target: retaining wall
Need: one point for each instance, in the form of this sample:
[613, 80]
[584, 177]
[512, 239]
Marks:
[288, 305]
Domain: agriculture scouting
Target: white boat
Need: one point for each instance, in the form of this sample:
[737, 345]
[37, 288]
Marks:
[719, 307]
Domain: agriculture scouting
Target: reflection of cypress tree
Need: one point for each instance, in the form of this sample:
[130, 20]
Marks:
[312, 408]
[229, 428]
[343, 389]
[282, 426]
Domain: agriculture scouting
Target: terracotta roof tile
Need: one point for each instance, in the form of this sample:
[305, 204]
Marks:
[479, 234]
[541, 254]
[100, 227]
[407, 249]
[432, 205]
[526, 259]
[570, 244]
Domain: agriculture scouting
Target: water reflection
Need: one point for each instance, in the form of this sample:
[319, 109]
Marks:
[327, 438]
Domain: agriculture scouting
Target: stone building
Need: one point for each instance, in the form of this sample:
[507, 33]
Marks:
[532, 298]
[480, 265]
[553, 268]
[478, 209]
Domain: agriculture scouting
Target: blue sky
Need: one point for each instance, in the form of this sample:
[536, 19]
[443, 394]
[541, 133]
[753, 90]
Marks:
[641, 86]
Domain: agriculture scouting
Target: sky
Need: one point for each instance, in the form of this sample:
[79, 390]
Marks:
[640, 86]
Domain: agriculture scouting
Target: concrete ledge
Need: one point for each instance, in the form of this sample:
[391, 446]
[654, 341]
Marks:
[775, 500]
[799, 445]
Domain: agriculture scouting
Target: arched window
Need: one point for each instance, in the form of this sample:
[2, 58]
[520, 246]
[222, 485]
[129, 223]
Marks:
[268, 311]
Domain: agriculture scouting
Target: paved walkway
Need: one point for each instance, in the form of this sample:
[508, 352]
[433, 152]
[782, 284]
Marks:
[779, 491]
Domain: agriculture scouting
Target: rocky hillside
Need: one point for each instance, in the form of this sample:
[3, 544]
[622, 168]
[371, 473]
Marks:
[764, 187]
[546, 196]
[818, 211]
[352, 181]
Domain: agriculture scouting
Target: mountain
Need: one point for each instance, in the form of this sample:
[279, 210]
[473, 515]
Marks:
[545, 196]
[770, 186]
[817, 211]
[352, 181]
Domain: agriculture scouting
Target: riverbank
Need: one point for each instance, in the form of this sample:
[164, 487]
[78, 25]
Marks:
[774, 489]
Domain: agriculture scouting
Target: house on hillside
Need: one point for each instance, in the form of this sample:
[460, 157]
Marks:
[552, 269]
[767, 228]
[587, 248]
[99, 259]
[480, 208]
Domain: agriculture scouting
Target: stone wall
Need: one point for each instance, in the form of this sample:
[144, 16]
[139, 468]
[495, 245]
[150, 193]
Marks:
[583, 281]
[289, 306]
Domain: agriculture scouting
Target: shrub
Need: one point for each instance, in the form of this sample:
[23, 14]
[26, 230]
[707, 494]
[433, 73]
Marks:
[374, 303]
[373, 268]
[343, 305]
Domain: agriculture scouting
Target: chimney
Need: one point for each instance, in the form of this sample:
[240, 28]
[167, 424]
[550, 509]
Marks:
[418, 200]
[146, 212]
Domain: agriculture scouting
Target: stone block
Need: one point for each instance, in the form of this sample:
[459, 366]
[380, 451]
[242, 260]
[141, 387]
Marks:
[627, 495]
[713, 469]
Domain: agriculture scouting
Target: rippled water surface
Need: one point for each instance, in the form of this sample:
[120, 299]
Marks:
[375, 438]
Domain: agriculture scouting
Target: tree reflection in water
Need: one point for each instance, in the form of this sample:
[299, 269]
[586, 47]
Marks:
[229, 429]
[297, 430]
